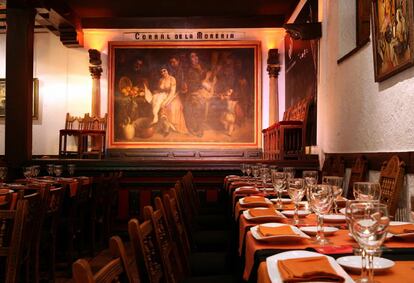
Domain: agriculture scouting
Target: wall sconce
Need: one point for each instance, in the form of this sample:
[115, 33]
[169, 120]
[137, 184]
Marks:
[273, 66]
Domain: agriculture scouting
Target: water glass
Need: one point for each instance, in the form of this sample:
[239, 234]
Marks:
[311, 177]
[337, 187]
[71, 169]
[296, 190]
[367, 191]
[36, 170]
[289, 171]
[369, 221]
[58, 169]
[321, 199]
[3, 174]
[50, 169]
[243, 168]
[27, 172]
[279, 184]
[248, 170]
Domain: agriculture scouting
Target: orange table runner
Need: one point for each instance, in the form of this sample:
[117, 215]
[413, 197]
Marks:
[403, 271]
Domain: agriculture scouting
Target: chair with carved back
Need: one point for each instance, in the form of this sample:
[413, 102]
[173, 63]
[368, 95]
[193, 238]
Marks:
[391, 181]
[179, 231]
[18, 230]
[147, 254]
[94, 136]
[333, 166]
[170, 257]
[73, 127]
[358, 174]
[287, 138]
[53, 201]
[116, 270]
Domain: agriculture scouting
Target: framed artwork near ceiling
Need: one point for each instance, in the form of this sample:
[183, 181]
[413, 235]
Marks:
[35, 98]
[392, 37]
[185, 95]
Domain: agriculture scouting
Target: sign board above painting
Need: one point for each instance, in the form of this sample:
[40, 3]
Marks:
[187, 35]
[185, 95]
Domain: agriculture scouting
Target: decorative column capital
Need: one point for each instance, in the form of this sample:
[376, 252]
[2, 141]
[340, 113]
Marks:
[273, 66]
[95, 63]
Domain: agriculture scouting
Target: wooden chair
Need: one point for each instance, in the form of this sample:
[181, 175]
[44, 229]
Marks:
[333, 166]
[94, 136]
[391, 181]
[146, 252]
[170, 257]
[73, 127]
[117, 270]
[287, 138]
[53, 200]
[17, 228]
[358, 174]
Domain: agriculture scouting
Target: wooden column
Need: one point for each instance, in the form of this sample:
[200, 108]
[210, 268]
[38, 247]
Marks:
[96, 71]
[19, 85]
[273, 69]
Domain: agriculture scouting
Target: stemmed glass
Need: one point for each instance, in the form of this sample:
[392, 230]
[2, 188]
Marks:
[50, 169]
[279, 184]
[243, 168]
[336, 183]
[289, 171]
[27, 172]
[3, 174]
[321, 200]
[248, 171]
[71, 169]
[255, 171]
[369, 221]
[296, 191]
[311, 177]
[36, 170]
[367, 191]
[58, 169]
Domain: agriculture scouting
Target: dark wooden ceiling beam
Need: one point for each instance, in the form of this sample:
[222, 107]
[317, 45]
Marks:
[264, 21]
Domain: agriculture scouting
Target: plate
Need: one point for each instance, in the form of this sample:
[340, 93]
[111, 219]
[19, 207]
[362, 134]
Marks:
[273, 271]
[259, 202]
[284, 200]
[256, 234]
[301, 213]
[404, 236]
[246, 189]
[335, 218]
[311, 230]
[276, 217]
[353, 263]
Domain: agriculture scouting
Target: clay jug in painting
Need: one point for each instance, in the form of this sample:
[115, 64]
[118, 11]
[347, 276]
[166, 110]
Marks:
[128, 130]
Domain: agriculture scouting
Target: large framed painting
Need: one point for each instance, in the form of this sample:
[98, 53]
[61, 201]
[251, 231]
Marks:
[35, 110]
[185, 94]
[393, 37]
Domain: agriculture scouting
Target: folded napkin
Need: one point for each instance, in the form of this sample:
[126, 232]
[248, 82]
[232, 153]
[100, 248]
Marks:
[401, 229]
[254, 199]
[262, 212]
[275, 231]
[307, 269]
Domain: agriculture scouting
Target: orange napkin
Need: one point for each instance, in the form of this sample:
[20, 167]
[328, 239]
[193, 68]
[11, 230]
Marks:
[254, 199]
[307, 269]
[275, 231]
[401, 229]
[262, 212]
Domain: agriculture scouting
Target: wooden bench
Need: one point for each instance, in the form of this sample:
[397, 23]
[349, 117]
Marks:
[287, 139]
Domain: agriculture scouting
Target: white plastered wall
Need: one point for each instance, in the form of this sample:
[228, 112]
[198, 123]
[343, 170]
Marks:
[356, 114]
[66, 85]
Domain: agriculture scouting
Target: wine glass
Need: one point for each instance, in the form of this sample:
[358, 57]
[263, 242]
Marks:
[3, 174]
[296, 190]
[49, 168]
[243, 168]
[279, 184]
[71, 169]
[369, 221]
[336, 183]
[290, 172]
[367, 191]
[58, 169]
[255, 172]
[36, 170]
[248, 171]
[310, 176]
[321, 200]
[27, 172]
